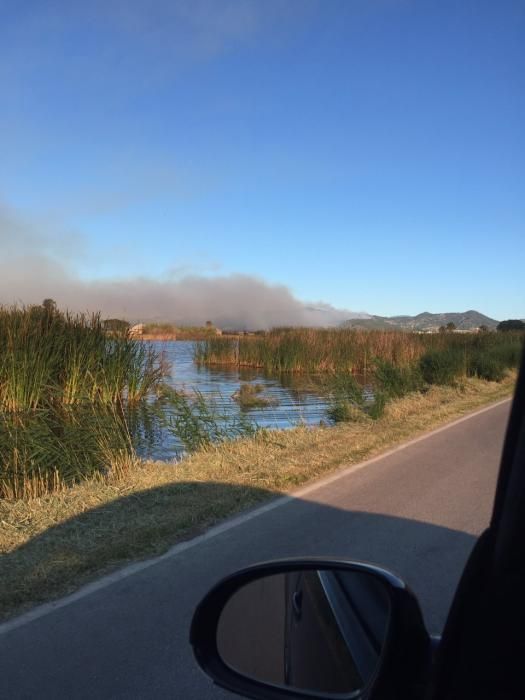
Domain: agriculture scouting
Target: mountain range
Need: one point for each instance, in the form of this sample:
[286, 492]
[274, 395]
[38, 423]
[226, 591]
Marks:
[466, 320]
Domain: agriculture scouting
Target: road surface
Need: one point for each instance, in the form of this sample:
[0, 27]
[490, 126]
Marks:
[416, 511]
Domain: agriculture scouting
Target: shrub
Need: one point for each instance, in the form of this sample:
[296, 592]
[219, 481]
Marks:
[486, 366]
[396, 382]
[116, 325]
[442, 367]
[509, 354]
[512, 324]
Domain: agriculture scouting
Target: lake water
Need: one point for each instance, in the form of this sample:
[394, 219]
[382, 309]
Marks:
[294, 399]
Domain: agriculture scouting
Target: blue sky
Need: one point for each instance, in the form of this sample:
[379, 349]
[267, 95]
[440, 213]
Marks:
[369, 154]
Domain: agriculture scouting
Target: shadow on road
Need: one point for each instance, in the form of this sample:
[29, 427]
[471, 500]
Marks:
[130, 638]
[147, 523]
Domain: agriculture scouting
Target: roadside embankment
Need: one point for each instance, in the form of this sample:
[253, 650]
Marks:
[53, 544]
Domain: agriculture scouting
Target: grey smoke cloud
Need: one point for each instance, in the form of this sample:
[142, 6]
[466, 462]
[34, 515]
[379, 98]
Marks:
[233, 301]
[32, 268]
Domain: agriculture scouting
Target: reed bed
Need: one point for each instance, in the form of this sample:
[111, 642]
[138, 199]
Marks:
[312, 350]
[64, 383]
[217, 351]
[347, 350]
[62, 359]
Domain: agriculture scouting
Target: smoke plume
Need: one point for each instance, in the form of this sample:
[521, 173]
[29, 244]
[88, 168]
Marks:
[31, 269]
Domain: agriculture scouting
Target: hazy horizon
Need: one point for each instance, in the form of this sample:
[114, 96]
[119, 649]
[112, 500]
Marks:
[235, 300]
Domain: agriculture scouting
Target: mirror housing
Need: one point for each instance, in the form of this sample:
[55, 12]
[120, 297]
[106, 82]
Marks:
[404, 664]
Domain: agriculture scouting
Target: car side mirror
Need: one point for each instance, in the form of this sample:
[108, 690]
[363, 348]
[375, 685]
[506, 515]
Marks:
[313, 628]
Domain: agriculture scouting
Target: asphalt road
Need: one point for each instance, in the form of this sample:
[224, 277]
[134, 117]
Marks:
[416, 511]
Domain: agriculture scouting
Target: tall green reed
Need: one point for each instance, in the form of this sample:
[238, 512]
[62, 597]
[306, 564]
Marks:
[67, 359]
[64, 383]
[198, 422]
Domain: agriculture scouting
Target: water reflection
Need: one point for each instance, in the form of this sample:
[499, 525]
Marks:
[292, 399]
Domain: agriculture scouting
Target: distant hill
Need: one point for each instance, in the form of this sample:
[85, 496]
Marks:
[464, 321]
[371, 323]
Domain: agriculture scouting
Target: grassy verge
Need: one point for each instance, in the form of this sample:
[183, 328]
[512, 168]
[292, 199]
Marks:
[52, 544]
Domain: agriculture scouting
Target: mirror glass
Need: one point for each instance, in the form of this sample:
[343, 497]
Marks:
[320, 631]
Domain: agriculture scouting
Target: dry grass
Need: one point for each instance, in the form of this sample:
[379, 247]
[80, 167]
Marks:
[51, 545]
